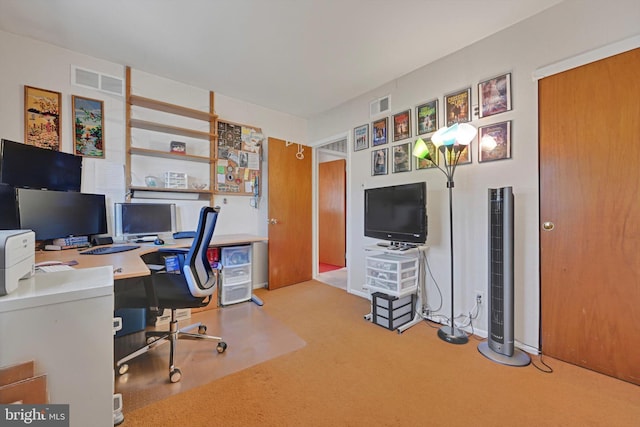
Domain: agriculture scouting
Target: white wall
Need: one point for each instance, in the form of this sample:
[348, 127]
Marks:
[33, 63]
[563, 31]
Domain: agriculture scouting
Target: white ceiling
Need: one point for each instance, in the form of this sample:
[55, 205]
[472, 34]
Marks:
[300, 57]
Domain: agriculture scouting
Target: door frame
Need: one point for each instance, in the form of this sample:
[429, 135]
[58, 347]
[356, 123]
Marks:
[314, 174]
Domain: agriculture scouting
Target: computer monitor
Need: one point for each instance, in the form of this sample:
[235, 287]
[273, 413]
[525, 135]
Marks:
[144, 219]
[57, 214]
[28, 166]
[8, 208]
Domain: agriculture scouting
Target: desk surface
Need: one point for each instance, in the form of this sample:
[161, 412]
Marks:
[129, 264]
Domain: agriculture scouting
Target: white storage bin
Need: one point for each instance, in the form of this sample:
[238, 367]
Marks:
[233, 275]
[392, 274]
[236, 255]
[233, 294]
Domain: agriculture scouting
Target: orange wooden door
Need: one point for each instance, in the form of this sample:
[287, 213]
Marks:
[332, 212]
[589, 120]
[290, 233]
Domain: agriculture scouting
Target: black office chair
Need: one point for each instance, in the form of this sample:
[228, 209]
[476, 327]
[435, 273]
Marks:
[190, 284]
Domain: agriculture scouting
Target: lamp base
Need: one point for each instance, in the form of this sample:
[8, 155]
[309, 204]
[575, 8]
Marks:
[519, 358]
[453, 335]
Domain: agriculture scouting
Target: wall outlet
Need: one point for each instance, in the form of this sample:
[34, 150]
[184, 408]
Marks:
[479, 295]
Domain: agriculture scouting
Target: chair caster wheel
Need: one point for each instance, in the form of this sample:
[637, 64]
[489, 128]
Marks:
[202, 329]
[221, 347]
[175, 375]
[123, 369]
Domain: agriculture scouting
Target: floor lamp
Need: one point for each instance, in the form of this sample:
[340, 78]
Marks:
[450, 142]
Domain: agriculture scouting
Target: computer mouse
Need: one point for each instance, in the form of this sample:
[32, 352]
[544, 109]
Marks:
[158, 241]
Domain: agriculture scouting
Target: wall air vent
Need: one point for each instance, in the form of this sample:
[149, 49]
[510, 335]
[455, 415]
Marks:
[380, 105]
[98, 81]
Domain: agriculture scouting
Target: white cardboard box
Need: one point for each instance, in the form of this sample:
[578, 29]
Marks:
[181, 314]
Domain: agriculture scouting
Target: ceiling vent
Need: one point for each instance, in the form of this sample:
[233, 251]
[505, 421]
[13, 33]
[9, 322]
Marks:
[98, 81]
[380, 105]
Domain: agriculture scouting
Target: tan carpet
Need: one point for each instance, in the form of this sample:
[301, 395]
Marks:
[354, 373]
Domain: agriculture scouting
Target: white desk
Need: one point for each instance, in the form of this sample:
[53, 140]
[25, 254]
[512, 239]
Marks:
[64, 322]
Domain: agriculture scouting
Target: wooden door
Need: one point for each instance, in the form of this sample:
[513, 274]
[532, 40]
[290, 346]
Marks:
[290, 234]
[331, 212]
[589, 120]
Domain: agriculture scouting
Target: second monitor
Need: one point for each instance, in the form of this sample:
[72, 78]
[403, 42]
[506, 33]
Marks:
[136, 220]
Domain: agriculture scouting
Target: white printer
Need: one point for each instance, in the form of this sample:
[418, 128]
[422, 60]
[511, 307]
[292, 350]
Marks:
[17, 258]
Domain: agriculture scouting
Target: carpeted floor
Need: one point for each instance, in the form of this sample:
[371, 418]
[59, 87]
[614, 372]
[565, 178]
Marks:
[354, 373]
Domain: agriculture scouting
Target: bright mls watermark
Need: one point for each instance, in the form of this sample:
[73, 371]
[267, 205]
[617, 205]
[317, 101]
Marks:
[55, 415]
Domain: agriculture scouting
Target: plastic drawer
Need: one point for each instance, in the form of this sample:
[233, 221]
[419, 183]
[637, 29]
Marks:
[236, 255]
[232, 275]
[235, 293]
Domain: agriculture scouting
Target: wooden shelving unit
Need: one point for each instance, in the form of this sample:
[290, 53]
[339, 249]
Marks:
[209, 137]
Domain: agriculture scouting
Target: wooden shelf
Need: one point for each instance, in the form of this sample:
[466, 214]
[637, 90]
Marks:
[168, 155]
[158, 127]
[170, 108]
[172, 190]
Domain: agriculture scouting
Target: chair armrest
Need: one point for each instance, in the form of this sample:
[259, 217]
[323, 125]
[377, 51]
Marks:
[176, 251]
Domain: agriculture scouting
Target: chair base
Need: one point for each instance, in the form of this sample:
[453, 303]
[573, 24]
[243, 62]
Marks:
[155, 339]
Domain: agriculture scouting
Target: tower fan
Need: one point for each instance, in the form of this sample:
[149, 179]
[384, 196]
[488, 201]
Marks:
[499, 346]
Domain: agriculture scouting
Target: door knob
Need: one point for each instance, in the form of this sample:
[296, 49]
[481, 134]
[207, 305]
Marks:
[548, 226]
[273, 221]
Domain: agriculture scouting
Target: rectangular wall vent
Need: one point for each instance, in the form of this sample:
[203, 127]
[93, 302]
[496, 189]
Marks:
[380, 105]
[98, 81]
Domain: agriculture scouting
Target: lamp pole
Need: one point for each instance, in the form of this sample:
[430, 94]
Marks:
[451, 156]
[451, 142]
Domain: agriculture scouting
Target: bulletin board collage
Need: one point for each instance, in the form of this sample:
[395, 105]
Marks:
[239, 153]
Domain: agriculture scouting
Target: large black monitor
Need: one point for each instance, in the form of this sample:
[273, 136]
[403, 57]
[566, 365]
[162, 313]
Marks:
[8, 208]
[397, 213]
[56, 214]
[144, 219]
[28, 166]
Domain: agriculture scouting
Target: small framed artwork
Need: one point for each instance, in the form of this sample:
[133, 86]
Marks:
[426, 164]
[494, 142]
[178, 147]
[402, 125]
[494, 95]
[42, 118]
[379, 131]
[379, 161]
[88, 125]
[465, 156]
[361, 138]
[402, 158]
[457, 106]
[427, 117]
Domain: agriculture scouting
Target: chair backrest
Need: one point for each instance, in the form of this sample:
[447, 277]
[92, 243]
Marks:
[197, 269]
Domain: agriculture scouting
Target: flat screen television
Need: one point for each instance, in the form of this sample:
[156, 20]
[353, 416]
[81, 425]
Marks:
[28, 166]
[397, 213]
[144, 219]
[58, 214]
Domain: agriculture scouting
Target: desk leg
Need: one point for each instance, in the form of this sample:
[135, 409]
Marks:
[257, 300]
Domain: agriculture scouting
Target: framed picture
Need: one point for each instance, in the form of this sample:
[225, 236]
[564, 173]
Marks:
[402, 125]
[426, 164]
[178, 147]
[494, 142]
[465, 156]
[42, 118]
[427, 117]
[88, 125]
[379, 131]
[402, 158]
[361, 138]
[379, 161]
[457, 107]
[494, 95]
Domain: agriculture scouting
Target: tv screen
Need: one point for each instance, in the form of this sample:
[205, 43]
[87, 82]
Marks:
[144, 219]
[396, 213]
[56, 214]
[28, 166]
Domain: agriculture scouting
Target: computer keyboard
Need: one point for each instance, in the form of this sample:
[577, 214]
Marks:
[54, 267]
[103, 250]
